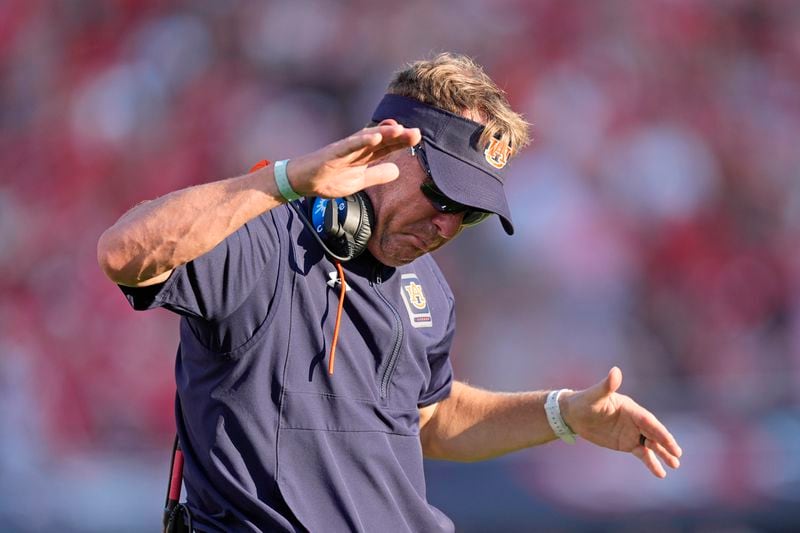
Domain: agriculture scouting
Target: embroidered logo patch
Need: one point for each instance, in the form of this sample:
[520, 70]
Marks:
[497, 153]
[416, 304]
[335, 283]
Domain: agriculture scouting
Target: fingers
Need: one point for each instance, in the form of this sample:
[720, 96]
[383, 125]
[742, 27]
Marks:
[650, 453]
[358, 141]
[373, 143]
[667, 457]
[614, 380]
[657, 433]
[396, 135]
[393, 134]
[381, 173]
[656, 445]
[606, 387]
[378, 152]
[377, 141]
[607, 418]
[648, 457]
[391, 128]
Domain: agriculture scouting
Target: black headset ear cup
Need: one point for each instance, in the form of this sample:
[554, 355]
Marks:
[364, 230]
[345, 226]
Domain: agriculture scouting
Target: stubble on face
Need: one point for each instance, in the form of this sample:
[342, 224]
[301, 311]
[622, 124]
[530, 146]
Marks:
[403, 228]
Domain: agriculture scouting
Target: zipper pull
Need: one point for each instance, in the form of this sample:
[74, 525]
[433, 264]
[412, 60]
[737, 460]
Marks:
[376, 273]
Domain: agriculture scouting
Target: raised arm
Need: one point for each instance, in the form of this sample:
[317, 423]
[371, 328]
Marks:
[156, 236]
[473, 424]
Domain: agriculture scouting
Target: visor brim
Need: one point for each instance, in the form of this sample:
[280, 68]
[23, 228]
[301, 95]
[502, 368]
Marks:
[468, 184]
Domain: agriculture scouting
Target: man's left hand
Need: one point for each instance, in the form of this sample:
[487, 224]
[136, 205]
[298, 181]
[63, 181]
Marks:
[604, 417]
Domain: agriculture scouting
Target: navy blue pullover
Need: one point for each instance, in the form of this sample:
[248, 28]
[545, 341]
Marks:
[271, 441]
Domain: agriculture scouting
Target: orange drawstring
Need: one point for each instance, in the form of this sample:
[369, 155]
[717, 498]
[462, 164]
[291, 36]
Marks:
[338, 317]
[262, 164]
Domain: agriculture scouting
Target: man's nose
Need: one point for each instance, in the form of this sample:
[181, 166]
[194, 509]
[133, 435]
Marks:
[448, 224]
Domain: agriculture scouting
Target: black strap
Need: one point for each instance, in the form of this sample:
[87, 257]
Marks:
[179, 520]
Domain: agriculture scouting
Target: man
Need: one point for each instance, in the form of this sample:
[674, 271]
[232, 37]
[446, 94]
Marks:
[273, 438]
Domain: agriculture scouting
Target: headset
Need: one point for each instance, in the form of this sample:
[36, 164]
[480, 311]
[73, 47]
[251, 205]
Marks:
[342, 226]
[343, 237]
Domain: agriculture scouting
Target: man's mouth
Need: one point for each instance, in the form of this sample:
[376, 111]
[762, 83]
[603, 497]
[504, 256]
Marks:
[422, 243]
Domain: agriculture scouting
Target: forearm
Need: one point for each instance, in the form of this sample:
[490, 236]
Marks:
[156, 236]
[473, 424]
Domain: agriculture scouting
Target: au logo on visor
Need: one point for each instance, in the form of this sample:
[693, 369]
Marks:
[416, 304]
[497, 153]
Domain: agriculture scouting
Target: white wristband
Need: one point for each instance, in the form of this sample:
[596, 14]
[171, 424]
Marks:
[282, 180]
[553, 412]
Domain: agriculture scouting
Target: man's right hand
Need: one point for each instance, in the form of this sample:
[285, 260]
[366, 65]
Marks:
[343, 167]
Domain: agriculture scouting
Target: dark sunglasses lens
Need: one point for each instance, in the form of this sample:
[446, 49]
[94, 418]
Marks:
[471, 218]
[440, 202]
[443, 204]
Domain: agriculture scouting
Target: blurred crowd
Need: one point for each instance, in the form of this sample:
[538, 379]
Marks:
[657, 214]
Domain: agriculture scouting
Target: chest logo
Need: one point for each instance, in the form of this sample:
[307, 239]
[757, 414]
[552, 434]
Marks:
[414, 299]
[415, 295]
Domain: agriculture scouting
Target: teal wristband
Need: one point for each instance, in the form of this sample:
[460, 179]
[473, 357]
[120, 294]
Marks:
[282, 180]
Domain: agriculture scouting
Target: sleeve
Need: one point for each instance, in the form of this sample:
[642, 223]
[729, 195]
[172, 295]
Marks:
[439, 361]
[215, 284]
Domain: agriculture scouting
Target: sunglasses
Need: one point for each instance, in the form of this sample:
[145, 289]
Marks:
[440, 201]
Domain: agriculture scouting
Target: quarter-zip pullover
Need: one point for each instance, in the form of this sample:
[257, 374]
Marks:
[271, 441]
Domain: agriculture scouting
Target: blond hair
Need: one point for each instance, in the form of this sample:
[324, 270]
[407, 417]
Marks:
[456, 83]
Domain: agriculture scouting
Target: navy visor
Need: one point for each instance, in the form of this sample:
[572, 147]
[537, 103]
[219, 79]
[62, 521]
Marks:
[463, 170]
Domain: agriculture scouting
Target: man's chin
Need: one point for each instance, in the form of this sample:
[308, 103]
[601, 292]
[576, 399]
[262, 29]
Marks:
[397, 258]
[394, 261]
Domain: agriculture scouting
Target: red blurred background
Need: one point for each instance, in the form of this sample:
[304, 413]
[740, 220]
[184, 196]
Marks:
[656, 211]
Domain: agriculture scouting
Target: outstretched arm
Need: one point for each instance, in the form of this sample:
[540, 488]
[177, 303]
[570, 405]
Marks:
[473, 424]
[154, 237]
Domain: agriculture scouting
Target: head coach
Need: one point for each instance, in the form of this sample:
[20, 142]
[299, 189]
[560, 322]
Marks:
[313, 370]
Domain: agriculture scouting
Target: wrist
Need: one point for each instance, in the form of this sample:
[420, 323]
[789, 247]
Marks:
[564, 406]
[281, 175]
[555, 401]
